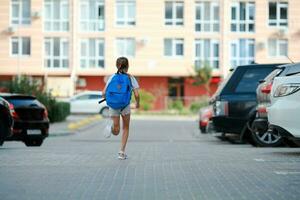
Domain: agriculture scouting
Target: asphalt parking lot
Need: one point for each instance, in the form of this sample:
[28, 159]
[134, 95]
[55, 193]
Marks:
[168, 159]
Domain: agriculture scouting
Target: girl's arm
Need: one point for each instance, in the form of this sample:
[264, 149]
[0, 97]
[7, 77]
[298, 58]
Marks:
[103, 92]
[137, 98]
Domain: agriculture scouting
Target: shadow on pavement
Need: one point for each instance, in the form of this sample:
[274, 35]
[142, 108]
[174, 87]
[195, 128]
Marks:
[287, 153]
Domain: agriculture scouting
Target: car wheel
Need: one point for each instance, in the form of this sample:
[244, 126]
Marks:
[4, 132]
[266, 138]
[33, 142]
[104, 112]
[203, 129]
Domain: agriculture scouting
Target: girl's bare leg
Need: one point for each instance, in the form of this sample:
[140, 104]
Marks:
[116, 125]
[126, 121]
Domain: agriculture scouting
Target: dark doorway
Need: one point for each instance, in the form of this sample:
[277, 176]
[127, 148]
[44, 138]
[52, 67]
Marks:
[176, 87]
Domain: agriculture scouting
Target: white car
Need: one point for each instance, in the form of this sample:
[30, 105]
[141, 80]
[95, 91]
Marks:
[283, 114]
[87, 102]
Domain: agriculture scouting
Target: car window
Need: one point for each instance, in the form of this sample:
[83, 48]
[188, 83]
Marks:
[83, 97]
[23, 102]
[295, 69]
[273, 74]
[95, 96]
[250, 79]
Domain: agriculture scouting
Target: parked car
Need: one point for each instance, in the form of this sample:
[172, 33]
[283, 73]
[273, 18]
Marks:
[87, 102]
[31, 123]
[259, 128]
[205, 115]
[262, 135]
[6, 120]
[283, 113]
[234, 103]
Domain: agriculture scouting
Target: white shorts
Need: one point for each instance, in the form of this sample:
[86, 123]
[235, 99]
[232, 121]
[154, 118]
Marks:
[118, 112]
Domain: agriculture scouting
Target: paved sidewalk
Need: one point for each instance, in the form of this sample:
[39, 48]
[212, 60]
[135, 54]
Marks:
[165, 117]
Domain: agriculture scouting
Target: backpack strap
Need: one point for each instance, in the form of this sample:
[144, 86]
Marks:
[129, 76]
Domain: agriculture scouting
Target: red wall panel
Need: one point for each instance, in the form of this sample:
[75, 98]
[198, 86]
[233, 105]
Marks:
[93, 83]
[158, 86]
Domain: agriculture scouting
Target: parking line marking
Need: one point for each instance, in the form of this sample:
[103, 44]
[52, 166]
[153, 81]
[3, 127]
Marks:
[285, 172]
[259, 160]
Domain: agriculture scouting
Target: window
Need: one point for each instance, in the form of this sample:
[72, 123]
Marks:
[174, 13]
[56, 15]
[92, 53]
[125, 12]
[20, 12]
[242, 52]
[56, 53]
[243, 17]
[206, 53]
[207, 17]
[95, 96]
[83, 97]
[92, 15]
[20, 46]
[173, 47]
[278, 14]
[250, 79]
[88, 97]
[125, 47]
[277, 48]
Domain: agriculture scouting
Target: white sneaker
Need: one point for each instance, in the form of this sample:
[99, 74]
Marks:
[122, 155]
[107, 129]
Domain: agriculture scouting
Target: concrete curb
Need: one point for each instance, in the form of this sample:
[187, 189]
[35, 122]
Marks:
[73, 127]
[84, 122]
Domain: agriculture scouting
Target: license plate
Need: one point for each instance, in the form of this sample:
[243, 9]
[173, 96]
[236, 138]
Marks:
[33, 132]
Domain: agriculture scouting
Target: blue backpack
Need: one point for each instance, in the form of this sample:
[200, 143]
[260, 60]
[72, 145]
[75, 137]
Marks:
[118, 91]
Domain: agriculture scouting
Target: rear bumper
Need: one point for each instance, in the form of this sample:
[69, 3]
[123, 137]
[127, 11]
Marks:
[31, 124]
[203, 123]
[228, 124]
[20, 129]
[261, 123]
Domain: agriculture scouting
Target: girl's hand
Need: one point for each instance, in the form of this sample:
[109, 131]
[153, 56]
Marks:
[137, 105]
[134, 106]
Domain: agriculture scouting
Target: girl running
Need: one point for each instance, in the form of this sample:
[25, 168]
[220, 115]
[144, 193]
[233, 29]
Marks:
[114, 125]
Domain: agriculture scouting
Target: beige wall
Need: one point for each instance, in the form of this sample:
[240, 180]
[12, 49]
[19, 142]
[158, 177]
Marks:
[149, 59]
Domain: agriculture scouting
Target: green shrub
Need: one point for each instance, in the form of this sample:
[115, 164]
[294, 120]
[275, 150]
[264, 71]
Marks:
[176, 105]
[57, 111]
[195, 106]
[146, 100]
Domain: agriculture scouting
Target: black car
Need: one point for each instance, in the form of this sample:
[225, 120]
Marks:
[262, 134]
[31, 122]
[6, 120]
[234, 103]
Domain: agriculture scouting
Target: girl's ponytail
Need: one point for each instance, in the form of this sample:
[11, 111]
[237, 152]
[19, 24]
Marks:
[122, 65]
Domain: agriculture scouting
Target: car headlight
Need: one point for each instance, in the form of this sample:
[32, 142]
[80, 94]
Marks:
[286, 89]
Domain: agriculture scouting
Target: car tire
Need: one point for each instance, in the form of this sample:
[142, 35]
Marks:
[4, 132]
[33, 142]
[1, 134]
[203, 129]
[265, 138]
[104, 112]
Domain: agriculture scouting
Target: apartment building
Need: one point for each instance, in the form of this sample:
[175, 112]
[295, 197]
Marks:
[72, 45]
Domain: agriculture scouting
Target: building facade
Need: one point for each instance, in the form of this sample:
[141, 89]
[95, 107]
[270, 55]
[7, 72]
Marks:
[72, 45]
